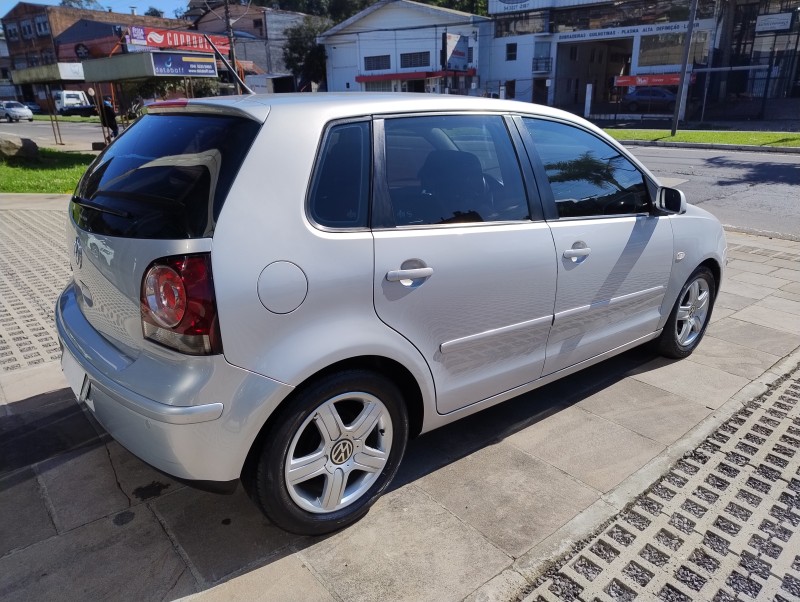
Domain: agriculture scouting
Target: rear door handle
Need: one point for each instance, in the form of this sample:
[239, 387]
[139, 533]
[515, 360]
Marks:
[573, 253]
[413, 274]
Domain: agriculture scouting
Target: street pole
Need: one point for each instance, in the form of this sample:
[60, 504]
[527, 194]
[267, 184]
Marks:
[229, 30]
[687, 47]
[763, 110]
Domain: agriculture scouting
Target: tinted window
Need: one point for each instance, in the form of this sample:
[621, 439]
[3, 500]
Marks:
[166, 177]
[587, 176]
[452, 169]
[340, 189]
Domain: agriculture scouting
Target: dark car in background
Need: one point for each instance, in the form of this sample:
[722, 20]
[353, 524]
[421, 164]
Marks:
[649, 99]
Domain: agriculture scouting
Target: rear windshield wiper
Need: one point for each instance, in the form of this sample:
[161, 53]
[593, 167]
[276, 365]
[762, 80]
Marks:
[98, 207]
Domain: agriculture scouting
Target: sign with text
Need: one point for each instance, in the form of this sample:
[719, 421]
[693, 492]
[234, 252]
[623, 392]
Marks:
[659, 79]
[776, 22]
[183, 65]
[178, 39]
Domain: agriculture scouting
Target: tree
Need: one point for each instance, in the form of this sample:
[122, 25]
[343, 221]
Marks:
[302, 55]
[85, 4]
[153, 12]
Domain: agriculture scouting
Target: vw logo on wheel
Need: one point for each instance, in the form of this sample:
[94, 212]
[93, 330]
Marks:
[342, 451]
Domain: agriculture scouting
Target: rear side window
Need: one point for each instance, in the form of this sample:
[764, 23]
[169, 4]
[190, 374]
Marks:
[339, 195]
[167, 177]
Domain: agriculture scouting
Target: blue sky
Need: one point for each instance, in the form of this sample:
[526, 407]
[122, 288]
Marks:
[118, 6]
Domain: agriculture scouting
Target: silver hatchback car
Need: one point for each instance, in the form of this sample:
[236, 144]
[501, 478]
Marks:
[291, 286]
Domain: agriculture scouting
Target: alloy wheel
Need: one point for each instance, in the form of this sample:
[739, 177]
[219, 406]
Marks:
[692, 312]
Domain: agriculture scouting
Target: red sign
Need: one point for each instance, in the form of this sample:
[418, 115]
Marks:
[177, 39]
[663, 79]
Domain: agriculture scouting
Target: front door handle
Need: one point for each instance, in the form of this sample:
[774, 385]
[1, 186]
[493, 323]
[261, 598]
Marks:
[412, 274]
[575, 253]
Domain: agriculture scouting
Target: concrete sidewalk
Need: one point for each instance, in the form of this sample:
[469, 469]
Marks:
[479, 509]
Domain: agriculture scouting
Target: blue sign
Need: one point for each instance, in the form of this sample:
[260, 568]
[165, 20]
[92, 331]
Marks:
[184, 65]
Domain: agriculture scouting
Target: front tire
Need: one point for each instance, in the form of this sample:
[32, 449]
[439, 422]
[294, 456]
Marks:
[331, 452]
[690, 315]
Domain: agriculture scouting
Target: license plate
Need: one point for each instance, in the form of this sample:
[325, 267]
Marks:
[74, 374]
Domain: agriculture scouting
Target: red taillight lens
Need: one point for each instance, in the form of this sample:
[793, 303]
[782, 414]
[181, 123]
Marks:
[178, 304]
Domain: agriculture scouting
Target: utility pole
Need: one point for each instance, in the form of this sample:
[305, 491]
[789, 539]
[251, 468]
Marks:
[686, 50]
[229, 30]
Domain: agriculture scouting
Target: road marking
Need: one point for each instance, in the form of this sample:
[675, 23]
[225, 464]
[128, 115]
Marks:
[671, 182]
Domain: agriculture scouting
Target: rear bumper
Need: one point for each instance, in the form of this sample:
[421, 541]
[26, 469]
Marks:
[204, 435]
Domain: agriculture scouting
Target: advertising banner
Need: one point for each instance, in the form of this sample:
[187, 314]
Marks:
[457, 52]
[661, 79]
[183, 65]
[177, 39]
[774, 22]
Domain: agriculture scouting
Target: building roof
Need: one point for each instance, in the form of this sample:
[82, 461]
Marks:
[434, 11]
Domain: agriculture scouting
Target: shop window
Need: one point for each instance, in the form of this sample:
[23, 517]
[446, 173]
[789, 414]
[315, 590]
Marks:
[409, 60]
[511, 52]
[377, 63]
[386, 86]
[573, 53]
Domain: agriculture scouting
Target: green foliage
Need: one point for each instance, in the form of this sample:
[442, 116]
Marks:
[153, 12]
[716, 137]
[303, 56]
[55, 172]
[86, 4]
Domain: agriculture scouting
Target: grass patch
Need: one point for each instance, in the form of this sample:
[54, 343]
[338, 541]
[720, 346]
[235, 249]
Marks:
[714, 137]
[70, 118]
[55, 172]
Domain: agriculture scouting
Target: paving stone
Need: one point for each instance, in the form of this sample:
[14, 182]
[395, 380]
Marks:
[607, 453]
[24, 520]
[732, 358]
[752, 266]
[771, 318]
[744, 289]
[754, 336]
[792, 275]
[124, 557]
[730, 301]
[645, 409]
[234, 533]
[767, 281]
[514, 499]
[785, 305]
[363, 561]
[81, 487]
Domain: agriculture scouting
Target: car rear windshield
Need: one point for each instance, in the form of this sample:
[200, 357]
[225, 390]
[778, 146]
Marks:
[166, 177]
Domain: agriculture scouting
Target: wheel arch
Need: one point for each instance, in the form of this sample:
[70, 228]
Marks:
[716, 270]
[389, 368]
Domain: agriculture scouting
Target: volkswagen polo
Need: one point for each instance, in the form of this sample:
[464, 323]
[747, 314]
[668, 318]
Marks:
[292, 286]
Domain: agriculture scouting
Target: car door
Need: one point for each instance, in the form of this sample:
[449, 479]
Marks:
[614, 254]
[465, 267]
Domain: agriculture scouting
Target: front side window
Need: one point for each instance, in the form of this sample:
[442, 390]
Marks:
[452, 169]
[339, 195]
[588, 177]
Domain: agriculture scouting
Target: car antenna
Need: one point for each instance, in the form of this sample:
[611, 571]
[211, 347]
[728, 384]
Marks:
[244, 86]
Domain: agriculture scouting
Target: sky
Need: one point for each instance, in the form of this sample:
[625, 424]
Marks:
[117, 6]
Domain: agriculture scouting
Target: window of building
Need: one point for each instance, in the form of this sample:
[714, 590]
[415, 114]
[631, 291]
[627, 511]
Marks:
[12, 31]
[667, 49]
[258, 25]
[48, 56]
[377, 63]
[27, 28]
[42, 25]
[470, 55]
[511, 52]
[339, 195]
[410, 60]
[475, 177]
[588, 177]
[521, 24]
[33, 59]
[385, 86]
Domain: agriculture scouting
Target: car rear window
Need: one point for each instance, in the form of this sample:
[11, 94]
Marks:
[167, 177]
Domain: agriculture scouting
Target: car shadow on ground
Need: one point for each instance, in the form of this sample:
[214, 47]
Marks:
[75, 496]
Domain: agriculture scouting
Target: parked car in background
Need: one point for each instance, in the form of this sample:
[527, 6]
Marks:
[647, 99]
[11, 110]
[34, 107]
[73, 102]
[289, 286]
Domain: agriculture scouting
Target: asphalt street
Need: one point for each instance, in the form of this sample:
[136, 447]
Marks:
[752, 192]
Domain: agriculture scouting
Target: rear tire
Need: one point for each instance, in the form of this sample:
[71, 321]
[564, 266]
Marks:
[690, 315]
[331, 452]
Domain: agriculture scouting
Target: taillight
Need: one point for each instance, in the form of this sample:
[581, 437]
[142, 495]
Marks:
[178, 304]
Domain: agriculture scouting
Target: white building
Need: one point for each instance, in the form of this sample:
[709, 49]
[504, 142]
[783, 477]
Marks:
[396, 45]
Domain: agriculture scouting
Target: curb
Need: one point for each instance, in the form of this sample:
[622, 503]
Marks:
[711, 146]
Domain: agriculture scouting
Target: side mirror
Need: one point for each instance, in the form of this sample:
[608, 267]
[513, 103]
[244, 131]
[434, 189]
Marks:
[671, 200]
